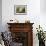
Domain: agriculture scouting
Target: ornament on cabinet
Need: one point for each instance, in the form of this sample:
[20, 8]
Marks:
[27, 21]
[14, 21]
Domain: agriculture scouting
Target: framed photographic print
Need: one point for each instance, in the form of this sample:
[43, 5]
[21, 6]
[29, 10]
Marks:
[20, 9]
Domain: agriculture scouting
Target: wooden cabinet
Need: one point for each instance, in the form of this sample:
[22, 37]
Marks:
[22, 33]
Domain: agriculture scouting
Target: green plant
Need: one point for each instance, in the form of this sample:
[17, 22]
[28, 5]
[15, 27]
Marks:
[40, 34]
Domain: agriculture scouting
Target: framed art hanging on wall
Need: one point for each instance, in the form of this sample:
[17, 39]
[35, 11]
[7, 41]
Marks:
[20, 9]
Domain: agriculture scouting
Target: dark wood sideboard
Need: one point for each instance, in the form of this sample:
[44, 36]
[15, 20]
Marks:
[22, 33]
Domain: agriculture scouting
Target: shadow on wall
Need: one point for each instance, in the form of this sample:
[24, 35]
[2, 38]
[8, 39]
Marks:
[43, 6]
[0, 15]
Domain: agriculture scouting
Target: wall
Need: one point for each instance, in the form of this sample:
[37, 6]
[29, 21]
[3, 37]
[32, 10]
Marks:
[43, 6]
[33, 11]
[0, 15]
[43, 14]
[34, 14]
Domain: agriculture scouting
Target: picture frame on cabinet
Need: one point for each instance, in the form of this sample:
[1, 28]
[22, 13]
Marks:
[20, 9]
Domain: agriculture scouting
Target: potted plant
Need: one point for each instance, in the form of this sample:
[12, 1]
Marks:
[41, 36]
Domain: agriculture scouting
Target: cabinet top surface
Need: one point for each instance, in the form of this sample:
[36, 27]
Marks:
[19, 23]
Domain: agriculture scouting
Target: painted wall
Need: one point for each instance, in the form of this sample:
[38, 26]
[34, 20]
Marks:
[0, 15]
[43, 6]
[33, 11]
[34, 14]
[43, 14]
